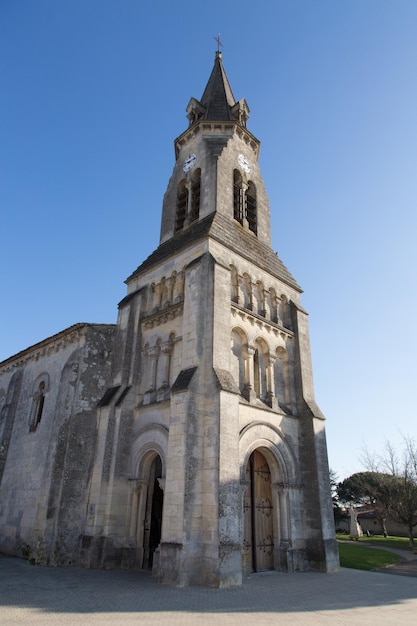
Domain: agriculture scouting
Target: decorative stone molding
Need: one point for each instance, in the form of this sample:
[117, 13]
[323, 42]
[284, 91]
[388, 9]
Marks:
[47, 347]
[220, 128]
[263, 324]
[163, 316]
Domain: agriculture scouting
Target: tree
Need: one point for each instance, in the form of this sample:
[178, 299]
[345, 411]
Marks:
[371, 489]
[338, 513]
[395, 475]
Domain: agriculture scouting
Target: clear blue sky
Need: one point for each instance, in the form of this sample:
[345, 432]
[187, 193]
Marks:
[94, 93]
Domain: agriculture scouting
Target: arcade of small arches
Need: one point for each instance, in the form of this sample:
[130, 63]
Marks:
[263, 372]
[158, 357]
[247, 293]
[169, 290]
[253, 296]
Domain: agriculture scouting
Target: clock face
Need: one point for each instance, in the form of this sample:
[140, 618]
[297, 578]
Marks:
[244, 163]
[189, 162]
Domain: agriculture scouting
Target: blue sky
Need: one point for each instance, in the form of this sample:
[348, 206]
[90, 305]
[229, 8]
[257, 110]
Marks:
[94, 93]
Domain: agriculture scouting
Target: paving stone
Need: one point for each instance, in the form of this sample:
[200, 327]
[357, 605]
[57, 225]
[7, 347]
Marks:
[69, 596]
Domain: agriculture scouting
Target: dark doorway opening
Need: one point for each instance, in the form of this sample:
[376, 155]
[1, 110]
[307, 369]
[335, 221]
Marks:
[155, 506]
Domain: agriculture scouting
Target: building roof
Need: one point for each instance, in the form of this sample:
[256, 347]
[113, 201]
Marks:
[229, 234]
[218, 96]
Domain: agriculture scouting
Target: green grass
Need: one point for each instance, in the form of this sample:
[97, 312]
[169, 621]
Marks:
[361, 557]
[401, 543]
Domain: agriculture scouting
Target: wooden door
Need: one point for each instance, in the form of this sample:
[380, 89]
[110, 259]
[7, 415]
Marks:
[258, 544]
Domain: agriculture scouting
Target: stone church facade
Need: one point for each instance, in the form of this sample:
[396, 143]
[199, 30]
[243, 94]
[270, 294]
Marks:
[185, 438]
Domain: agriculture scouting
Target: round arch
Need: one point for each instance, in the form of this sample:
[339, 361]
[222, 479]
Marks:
[268, 474]
[147, 482]
[149, 441]
[276, 450]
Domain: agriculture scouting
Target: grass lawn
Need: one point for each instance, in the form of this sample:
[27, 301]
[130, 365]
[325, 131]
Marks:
[356, 556]
[402, 543]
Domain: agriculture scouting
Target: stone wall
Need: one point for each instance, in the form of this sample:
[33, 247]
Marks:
[48, 448]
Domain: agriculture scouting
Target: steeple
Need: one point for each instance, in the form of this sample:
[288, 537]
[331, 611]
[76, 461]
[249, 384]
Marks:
[218, 97]
[218, 102]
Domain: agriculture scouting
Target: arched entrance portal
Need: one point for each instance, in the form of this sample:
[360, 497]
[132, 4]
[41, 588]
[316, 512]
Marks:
[258, 544]
[153, 517]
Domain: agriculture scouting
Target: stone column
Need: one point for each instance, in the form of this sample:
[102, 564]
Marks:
[263, 301]
[188, 209]
[245, 221]
[139, 490]
[246, 555]
[271, 399]
[134, 500]
[150, 393]
[281, 528]
[157, 291]
[249, 387]
[168, 291]
[165, 362]
[178, 289]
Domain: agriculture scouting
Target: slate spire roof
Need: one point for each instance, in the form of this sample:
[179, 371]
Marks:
[218, 96]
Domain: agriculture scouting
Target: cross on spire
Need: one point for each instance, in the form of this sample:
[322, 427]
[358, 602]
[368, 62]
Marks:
[219, 43]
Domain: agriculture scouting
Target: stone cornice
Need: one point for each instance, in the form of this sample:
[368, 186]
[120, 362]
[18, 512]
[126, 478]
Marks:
[163, 315]
[257, 320]
[47, 346]
[226, 128]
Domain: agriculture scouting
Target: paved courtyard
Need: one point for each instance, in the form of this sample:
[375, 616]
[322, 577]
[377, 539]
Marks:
[67, 596]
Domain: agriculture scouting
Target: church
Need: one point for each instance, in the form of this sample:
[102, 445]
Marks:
[185, 439]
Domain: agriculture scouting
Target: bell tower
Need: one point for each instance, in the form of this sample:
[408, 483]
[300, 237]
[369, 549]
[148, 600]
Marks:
[219, 463]
[216, 142]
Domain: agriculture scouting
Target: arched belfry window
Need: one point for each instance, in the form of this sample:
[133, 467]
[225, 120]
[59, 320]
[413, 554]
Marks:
[237, 196]
[244, 202]
[195, 195]
[251, 209]
[182, 203]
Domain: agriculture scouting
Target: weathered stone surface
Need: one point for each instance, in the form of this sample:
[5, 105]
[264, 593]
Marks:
[186, 438]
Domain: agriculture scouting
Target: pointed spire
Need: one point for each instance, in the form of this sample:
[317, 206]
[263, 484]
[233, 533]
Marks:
[218, 102]
[218, 97]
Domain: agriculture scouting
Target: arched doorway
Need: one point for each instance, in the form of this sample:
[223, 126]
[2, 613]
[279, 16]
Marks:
[258, 543]
[153, 516]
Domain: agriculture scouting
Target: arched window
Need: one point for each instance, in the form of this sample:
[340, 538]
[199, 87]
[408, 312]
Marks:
[237, 197]
[182, 203]
[37, 405]
[195, 195]
[244, 202]
[251, 209]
